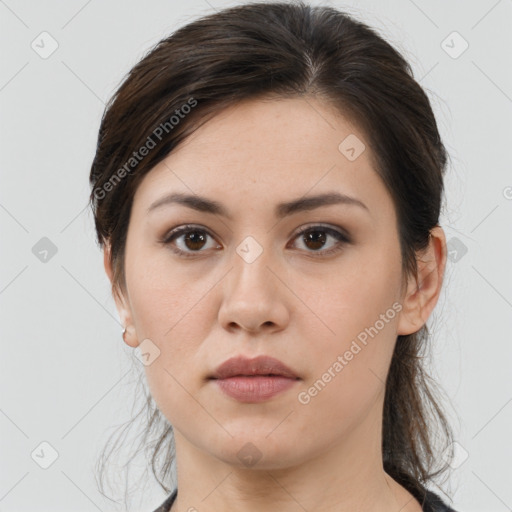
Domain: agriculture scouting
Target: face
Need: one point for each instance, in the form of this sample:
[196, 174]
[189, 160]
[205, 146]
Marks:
[244, 281]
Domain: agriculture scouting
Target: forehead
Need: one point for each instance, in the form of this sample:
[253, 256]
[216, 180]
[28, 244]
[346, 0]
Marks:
[266, 151]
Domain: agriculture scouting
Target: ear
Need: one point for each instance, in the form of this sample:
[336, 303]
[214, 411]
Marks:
[422, 294]
[122, 304]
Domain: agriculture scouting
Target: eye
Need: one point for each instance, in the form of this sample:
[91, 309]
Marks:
[193, 239]
[314, 237]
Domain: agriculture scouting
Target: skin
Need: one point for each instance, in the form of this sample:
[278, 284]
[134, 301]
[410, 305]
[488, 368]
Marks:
[303, 309]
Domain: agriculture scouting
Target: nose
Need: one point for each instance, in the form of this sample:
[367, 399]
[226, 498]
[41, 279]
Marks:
[254, 298]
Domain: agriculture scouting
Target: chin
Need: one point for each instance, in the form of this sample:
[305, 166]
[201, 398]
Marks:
[257, 450]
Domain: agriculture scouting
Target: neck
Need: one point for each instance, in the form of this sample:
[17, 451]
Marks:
[346, 477]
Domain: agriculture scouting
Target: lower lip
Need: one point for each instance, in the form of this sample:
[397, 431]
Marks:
[254, 389]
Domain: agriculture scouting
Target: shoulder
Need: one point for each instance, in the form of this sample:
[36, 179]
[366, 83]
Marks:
[433, 503]
[166, 505]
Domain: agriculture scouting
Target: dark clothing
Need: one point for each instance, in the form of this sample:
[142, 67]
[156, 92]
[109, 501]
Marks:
[431, 503]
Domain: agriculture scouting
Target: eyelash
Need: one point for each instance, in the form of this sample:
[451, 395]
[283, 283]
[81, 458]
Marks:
[176, 233]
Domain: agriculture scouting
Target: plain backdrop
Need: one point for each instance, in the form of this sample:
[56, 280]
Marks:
[66, 378]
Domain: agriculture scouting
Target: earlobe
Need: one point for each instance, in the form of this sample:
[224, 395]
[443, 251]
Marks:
[424, 289]
[130, 337]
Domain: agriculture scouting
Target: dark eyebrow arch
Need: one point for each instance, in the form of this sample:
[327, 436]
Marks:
[282, 210]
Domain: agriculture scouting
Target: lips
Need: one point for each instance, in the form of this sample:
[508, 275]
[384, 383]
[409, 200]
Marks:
[253, 380]
[261, 365]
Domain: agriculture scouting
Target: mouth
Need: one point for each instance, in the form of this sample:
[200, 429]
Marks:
[253, 380]
[265, 366]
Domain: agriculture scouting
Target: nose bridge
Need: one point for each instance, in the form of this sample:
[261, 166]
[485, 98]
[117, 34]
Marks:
[251, 297]
[251, 261]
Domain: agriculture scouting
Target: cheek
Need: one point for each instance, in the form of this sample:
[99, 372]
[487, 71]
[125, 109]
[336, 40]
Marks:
[165, 296]
[347, 375]
[172, 309]
[351, 296]
[351, 330]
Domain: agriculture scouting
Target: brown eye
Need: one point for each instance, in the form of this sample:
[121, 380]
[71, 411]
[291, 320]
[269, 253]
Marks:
[315, 237]
[192, 240]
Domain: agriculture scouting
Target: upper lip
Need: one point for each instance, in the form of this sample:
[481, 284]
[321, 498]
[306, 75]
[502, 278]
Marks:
[261, 365]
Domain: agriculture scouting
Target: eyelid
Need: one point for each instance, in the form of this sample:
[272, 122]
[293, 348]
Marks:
[183, 228]
[327, 227]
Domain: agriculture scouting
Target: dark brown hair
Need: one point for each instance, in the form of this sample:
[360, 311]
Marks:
[287, 50]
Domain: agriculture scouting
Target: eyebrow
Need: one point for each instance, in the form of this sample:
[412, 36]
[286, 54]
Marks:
[203, 204]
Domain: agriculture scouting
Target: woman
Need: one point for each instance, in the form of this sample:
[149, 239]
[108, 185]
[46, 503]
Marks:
[267, 188]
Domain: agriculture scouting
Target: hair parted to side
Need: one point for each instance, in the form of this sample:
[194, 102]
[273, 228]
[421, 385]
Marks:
[287, 50]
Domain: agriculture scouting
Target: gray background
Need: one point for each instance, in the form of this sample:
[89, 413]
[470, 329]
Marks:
[65, 373]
